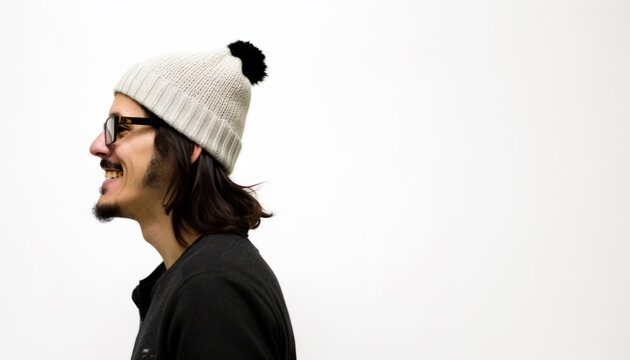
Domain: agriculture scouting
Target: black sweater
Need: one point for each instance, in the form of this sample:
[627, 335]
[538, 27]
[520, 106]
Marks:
[220, 300]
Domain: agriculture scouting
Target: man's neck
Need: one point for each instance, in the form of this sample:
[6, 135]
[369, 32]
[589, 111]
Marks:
[159, 233]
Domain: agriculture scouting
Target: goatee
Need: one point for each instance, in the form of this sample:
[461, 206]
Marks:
[107, 212]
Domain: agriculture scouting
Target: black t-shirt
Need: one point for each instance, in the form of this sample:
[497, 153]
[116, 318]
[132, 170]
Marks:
[220, 300]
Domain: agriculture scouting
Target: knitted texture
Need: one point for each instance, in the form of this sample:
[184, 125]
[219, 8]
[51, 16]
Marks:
[204, 96]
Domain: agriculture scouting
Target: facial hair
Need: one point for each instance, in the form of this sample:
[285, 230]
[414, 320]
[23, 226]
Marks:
[154, 172]
[106, 212]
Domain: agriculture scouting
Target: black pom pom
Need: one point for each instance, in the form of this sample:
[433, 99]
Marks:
[252, 58]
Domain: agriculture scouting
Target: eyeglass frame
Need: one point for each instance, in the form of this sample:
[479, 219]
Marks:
[119, 119]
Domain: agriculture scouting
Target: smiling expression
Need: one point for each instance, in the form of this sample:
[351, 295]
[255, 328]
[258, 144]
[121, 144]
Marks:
[125, 163]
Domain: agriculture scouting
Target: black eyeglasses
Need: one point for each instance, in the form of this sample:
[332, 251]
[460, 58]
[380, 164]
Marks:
[113, 121]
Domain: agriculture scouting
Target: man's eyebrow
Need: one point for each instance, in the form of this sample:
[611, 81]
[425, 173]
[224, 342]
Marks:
[114, 114]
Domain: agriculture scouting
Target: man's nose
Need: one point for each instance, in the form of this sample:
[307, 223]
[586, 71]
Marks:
[98, 147]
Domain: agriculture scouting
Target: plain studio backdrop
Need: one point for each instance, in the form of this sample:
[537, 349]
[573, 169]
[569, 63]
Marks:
[449, 178]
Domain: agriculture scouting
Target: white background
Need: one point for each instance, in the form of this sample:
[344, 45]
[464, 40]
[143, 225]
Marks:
[449, 178]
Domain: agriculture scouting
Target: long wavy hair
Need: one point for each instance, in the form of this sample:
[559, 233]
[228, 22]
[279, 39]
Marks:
[201, 195]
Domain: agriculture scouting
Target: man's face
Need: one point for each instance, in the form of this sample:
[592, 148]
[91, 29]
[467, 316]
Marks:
[126, 163]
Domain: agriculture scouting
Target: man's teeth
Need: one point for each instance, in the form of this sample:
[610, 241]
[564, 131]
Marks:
[113, 174]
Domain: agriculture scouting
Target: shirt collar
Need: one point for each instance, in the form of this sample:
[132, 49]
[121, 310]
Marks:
[142, 294]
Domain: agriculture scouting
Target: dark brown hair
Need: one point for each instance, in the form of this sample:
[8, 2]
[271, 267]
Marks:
[200, 195]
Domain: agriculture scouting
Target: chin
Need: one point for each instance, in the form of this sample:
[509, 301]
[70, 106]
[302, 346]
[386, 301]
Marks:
[106, 212]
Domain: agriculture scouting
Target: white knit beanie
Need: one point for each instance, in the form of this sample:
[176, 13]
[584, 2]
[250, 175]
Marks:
[205, 96]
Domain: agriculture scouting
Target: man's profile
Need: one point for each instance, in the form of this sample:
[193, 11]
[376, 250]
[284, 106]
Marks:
[167, 148]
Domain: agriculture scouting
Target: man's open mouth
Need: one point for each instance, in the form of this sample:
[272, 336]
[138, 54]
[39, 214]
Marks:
[113, 174]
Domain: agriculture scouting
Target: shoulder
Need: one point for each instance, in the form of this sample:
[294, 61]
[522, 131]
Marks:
[221, 264]
[226, 273]
[215, 292]
[213, 252]
[224, 296]
[222, 255]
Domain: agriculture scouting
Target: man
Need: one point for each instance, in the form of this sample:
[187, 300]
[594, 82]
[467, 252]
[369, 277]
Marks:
[168, 146]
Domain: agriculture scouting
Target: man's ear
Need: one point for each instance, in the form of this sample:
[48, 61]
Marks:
[195, 154]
